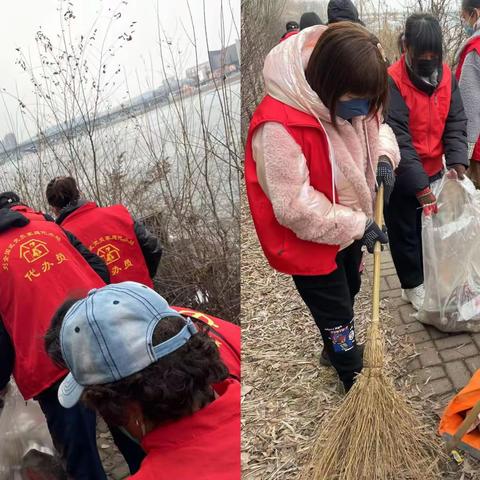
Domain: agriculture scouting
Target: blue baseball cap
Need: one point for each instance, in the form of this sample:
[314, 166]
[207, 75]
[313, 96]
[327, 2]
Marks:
[108, 336]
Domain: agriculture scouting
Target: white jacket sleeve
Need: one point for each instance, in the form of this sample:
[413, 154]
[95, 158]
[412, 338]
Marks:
[284, 177]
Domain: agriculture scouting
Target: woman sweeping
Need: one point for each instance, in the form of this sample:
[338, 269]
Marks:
[426, 113]
[468, 77]
[311, 165]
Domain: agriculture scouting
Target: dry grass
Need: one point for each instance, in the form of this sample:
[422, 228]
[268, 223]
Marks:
[375, 434]
[286, 394]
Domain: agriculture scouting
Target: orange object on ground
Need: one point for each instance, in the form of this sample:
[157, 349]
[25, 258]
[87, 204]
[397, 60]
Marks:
[456, 412]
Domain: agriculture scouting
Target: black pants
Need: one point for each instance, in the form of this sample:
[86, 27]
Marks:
[330, 299]
[73, 432]
[404, 222]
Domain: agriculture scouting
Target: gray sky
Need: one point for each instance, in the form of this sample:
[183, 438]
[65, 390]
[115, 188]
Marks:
[139, 59]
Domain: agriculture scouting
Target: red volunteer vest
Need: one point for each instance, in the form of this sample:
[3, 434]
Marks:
[226, 336]
[201, 446]
[40, 270]
[472, 45]
[284, 250]
[109, 232]
[428, 115]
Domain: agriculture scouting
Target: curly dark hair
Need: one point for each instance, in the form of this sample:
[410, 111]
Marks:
[62, 191]
[171, 388]
[52, 335]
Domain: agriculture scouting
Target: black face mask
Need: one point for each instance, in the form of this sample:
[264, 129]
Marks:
[425, 68]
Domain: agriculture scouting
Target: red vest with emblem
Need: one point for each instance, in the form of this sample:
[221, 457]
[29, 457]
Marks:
[109, 232]
[284, 250]
[472, 45]
[428, 114]
[40, 270]
[226, 336]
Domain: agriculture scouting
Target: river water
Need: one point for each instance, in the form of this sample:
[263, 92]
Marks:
[185, 154]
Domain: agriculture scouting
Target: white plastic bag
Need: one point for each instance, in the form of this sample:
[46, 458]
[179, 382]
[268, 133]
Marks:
[23, 429]
[451, 258]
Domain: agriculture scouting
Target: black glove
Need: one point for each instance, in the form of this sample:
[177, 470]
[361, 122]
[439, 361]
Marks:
[386, 177]
[373, 234]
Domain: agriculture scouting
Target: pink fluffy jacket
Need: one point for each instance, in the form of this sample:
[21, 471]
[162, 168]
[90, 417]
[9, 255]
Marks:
[354, 151]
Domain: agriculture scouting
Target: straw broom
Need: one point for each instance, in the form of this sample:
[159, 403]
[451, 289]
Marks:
[375, 434]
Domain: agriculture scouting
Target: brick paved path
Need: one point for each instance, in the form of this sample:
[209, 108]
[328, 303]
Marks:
[446, 361]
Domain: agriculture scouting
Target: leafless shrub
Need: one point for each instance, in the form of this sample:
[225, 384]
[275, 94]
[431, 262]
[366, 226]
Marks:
[173, 158]
[261, 31]
[388, 21]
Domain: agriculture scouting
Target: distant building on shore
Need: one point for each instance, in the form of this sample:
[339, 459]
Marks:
[9, 142]
[225, 61]
[199, 74]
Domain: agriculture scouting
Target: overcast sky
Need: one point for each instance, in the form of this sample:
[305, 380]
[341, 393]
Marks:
[139, 59]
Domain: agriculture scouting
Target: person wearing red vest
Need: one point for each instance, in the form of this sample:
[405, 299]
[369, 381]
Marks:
[130, 251]
[468, 77]
[291, 29]
[163, 379]
[427, 115]
[42, 265]
[311, 162]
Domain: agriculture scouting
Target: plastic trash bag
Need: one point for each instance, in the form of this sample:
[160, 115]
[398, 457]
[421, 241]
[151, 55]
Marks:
[26, 450]
[451, 258]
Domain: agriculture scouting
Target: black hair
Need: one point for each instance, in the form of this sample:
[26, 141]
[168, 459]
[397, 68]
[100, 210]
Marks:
[171, 388]
[309, 19]
[470, 5]
[52, 336]
[9, 199]
[291, 25]
[62, 191]
[423, 34]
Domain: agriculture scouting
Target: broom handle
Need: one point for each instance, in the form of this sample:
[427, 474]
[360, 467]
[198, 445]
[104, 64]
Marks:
[465, 425]
[377, 259]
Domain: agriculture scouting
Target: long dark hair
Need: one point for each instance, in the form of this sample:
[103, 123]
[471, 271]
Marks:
[347, 59]
[423, 34]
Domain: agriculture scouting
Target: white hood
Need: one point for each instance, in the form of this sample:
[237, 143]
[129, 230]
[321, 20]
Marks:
[284, 73]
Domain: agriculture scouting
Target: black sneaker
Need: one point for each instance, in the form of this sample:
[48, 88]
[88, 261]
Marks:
[325, 361]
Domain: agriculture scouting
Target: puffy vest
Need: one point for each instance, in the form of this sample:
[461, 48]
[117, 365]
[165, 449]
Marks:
[109, 232]
[284, 250]
[226, 336]
[472, 45]
[40, 270]
[428, 115]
